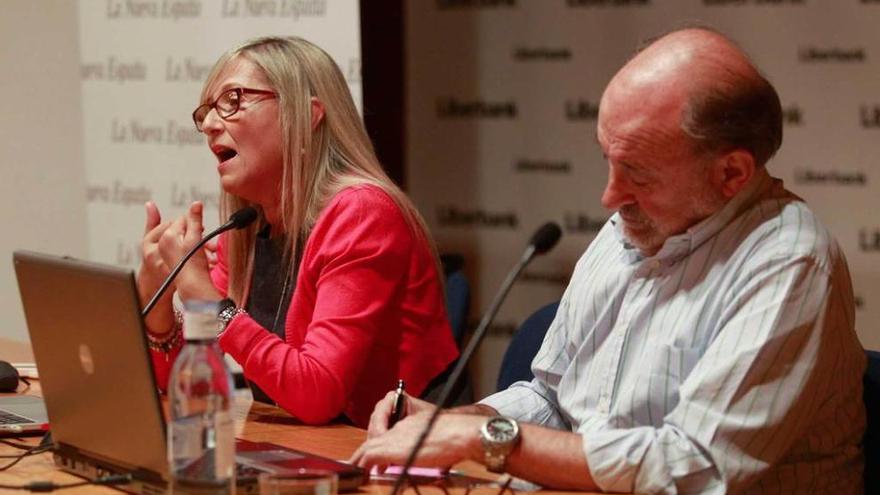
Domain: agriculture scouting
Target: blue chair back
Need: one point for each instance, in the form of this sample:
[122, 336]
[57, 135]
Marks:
[517, 362]
[458, 295]
[872, 433]
[458, 301]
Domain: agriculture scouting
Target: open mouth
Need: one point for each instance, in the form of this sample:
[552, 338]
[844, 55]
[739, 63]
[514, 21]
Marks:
[223, 153]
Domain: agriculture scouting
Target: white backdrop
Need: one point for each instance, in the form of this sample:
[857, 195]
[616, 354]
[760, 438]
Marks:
[98, 97]
[502, 105]
[143, 65]
[42, 205]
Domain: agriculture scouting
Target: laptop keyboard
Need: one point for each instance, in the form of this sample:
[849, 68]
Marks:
[7, 418]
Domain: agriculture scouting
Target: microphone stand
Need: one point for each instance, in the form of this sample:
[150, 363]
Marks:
[176, 270]
[463, 360]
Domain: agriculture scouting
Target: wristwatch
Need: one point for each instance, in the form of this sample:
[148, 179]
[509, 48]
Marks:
[226, 312]
[499, 436]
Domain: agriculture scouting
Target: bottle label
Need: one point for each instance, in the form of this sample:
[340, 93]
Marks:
[200, 320]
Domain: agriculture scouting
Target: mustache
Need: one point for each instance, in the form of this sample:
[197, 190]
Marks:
[632, 213]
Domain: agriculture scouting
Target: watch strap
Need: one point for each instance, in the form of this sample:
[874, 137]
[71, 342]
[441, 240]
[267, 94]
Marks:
[226, 313]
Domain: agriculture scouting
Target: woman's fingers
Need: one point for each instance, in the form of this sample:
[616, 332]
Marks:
[153, 217]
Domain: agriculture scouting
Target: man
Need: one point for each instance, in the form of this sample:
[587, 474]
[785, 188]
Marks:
[705, 343]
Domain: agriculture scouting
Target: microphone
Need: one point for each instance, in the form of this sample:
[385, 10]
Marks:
[542, 241]
[545, 238]
[238, 220]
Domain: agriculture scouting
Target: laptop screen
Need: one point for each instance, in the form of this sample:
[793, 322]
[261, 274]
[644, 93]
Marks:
[95, 372]
[97, 378]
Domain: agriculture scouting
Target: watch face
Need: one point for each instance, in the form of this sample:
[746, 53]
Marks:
[501, 430]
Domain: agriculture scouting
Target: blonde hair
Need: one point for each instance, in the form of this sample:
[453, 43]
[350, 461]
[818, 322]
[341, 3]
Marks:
[317, 164]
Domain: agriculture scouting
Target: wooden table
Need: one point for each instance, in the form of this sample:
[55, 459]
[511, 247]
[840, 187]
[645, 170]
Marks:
[253, 421]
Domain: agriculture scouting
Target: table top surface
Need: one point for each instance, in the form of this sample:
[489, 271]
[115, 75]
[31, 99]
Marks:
[254, 421]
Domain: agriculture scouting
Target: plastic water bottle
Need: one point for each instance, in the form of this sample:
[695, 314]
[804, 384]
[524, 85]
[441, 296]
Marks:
[201, 434]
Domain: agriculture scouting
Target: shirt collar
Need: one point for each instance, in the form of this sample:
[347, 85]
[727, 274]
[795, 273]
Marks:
[678, 246]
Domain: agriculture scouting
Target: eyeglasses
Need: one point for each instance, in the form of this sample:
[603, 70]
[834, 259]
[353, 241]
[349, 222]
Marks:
[227, 104]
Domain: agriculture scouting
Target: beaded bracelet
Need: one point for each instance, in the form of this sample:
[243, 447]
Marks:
[167, 341]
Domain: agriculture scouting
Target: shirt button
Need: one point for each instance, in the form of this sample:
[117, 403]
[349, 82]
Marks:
[655, 264]
[604, 405]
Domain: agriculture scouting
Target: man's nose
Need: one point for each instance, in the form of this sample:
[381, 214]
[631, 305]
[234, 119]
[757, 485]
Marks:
[617, 192]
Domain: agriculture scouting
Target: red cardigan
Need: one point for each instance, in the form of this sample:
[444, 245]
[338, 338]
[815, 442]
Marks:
[368, 309]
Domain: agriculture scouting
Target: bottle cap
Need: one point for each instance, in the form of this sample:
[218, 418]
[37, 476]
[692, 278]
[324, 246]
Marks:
[200, 320]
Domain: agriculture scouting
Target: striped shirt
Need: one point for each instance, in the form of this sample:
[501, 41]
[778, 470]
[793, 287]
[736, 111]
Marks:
[726, 363]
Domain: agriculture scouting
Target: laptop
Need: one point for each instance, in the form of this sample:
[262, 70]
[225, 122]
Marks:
[22, 415]
[97, 380]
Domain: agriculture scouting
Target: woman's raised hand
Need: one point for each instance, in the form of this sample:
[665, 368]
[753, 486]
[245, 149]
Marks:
[180, 236]
[153, 271]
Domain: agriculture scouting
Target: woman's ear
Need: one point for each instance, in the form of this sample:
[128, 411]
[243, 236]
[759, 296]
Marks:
[736, 170]
[317, 112]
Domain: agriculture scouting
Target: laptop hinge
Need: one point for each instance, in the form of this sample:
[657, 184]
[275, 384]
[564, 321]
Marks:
[93, 466]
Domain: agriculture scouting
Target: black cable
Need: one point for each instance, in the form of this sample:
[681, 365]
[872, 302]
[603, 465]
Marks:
[39, 449]
[15, 456]
[48, 486]
[13, 463]
[18, 445]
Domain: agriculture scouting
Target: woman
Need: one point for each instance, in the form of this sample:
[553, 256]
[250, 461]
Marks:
[335, 292]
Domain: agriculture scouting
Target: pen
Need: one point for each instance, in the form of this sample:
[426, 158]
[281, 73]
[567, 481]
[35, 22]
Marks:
[397, 408]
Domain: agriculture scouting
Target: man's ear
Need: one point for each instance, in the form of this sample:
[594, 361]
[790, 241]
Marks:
[734, 170]
[317, 112]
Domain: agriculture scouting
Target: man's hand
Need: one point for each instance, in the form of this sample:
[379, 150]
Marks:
[382, 412]
[551, 458]
[454, 437]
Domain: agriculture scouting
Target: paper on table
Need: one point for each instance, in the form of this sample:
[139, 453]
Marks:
[425, 472]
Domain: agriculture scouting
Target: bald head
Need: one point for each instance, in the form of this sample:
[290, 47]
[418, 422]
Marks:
[689, 58]
[702, 84]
